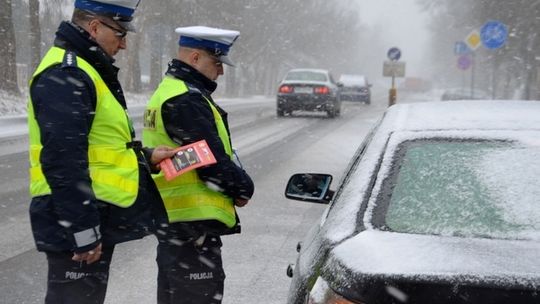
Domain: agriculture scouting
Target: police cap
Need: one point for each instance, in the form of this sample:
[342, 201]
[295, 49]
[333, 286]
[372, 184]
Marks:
[119, 10]
[214, 40]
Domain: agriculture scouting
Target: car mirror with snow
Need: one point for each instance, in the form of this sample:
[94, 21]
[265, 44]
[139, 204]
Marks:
[311, 187]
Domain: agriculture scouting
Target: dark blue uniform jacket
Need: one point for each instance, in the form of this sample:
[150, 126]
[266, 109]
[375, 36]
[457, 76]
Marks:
[64, 101]
[188, 118]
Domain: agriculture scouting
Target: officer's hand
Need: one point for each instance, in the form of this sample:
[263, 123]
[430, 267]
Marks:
[240, 202]
[160, 153]
[90, 256]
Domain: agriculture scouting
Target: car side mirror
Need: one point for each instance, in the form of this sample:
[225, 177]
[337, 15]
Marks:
[339, 84]
[310, 187]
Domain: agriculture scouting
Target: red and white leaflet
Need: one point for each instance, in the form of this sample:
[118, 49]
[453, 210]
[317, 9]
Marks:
[187, 158]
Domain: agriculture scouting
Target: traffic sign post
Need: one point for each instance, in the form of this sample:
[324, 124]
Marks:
[461, 48]
[464, 62]
[393, 69]
[394, 54]
[493, 34]
[473, 40]
[392, 96]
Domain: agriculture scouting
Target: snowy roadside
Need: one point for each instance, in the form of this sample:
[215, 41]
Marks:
[13, 127]
[11, 105]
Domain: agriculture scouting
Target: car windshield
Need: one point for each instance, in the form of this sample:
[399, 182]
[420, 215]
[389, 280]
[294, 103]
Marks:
[469, 188]
[306, 75]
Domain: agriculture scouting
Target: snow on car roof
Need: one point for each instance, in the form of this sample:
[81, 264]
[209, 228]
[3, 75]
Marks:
[431, 116]
[466, 114]
[309, 70]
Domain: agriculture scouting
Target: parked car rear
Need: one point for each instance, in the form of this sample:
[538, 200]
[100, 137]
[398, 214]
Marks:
[308, 90]
[355, 88]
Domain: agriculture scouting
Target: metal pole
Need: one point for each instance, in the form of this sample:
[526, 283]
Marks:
[494, 77]
[463, 80]
[393, 93]
[473, 64]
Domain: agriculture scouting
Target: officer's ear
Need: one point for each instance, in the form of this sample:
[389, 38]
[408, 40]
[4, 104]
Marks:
[195, 57]
[92, 27]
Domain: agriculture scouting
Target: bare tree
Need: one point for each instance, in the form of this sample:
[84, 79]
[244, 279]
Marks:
[275, 36]
[35, 34]
[158, 19]
[133, 75]
[8, 77]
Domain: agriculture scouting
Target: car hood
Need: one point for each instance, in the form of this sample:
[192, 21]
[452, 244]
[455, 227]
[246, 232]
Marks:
[473, 261]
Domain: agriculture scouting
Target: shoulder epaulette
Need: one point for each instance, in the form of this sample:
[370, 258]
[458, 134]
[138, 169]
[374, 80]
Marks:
[193, 89]
[70, 59]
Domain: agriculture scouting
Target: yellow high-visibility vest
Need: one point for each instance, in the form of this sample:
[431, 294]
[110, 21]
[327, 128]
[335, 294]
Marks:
[186, 198]
[113, 167]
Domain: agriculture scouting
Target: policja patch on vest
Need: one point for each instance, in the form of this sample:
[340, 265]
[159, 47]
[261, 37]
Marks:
[149, 119]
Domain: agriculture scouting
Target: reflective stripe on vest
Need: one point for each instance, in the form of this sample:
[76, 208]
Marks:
[114, 169]
[186, 198]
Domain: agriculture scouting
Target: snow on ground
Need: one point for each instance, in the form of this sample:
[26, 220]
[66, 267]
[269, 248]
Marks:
[12, 105]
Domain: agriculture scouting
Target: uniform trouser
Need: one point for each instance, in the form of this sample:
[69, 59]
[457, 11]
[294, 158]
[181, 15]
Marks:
[77, 282]
[190, 271]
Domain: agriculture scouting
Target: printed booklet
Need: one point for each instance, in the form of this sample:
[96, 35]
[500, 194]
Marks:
[187, 158]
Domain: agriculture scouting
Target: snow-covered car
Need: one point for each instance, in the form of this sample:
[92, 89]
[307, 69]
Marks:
[308, 90]
[355, 88]
[440, 204]
[464, 94]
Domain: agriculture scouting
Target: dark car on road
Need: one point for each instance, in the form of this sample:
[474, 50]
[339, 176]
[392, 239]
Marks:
[439, 205]
[308, 90]
[355, 88]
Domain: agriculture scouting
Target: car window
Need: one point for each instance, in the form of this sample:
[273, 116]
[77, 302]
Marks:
[310, 76]
[468, 188]
[351, 80]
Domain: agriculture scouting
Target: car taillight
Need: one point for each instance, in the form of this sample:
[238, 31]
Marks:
[322, 90]
[321, 293]
[286, 89]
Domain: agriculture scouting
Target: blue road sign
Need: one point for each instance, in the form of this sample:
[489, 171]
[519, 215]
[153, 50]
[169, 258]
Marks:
[394, 54]
[493, 34]
[464, 62]
[461, 48]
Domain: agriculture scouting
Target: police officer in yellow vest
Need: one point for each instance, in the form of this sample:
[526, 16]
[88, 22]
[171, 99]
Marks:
[89, 179]
[200, 203]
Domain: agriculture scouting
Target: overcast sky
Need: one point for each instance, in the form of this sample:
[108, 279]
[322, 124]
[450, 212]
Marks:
[401, 24]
